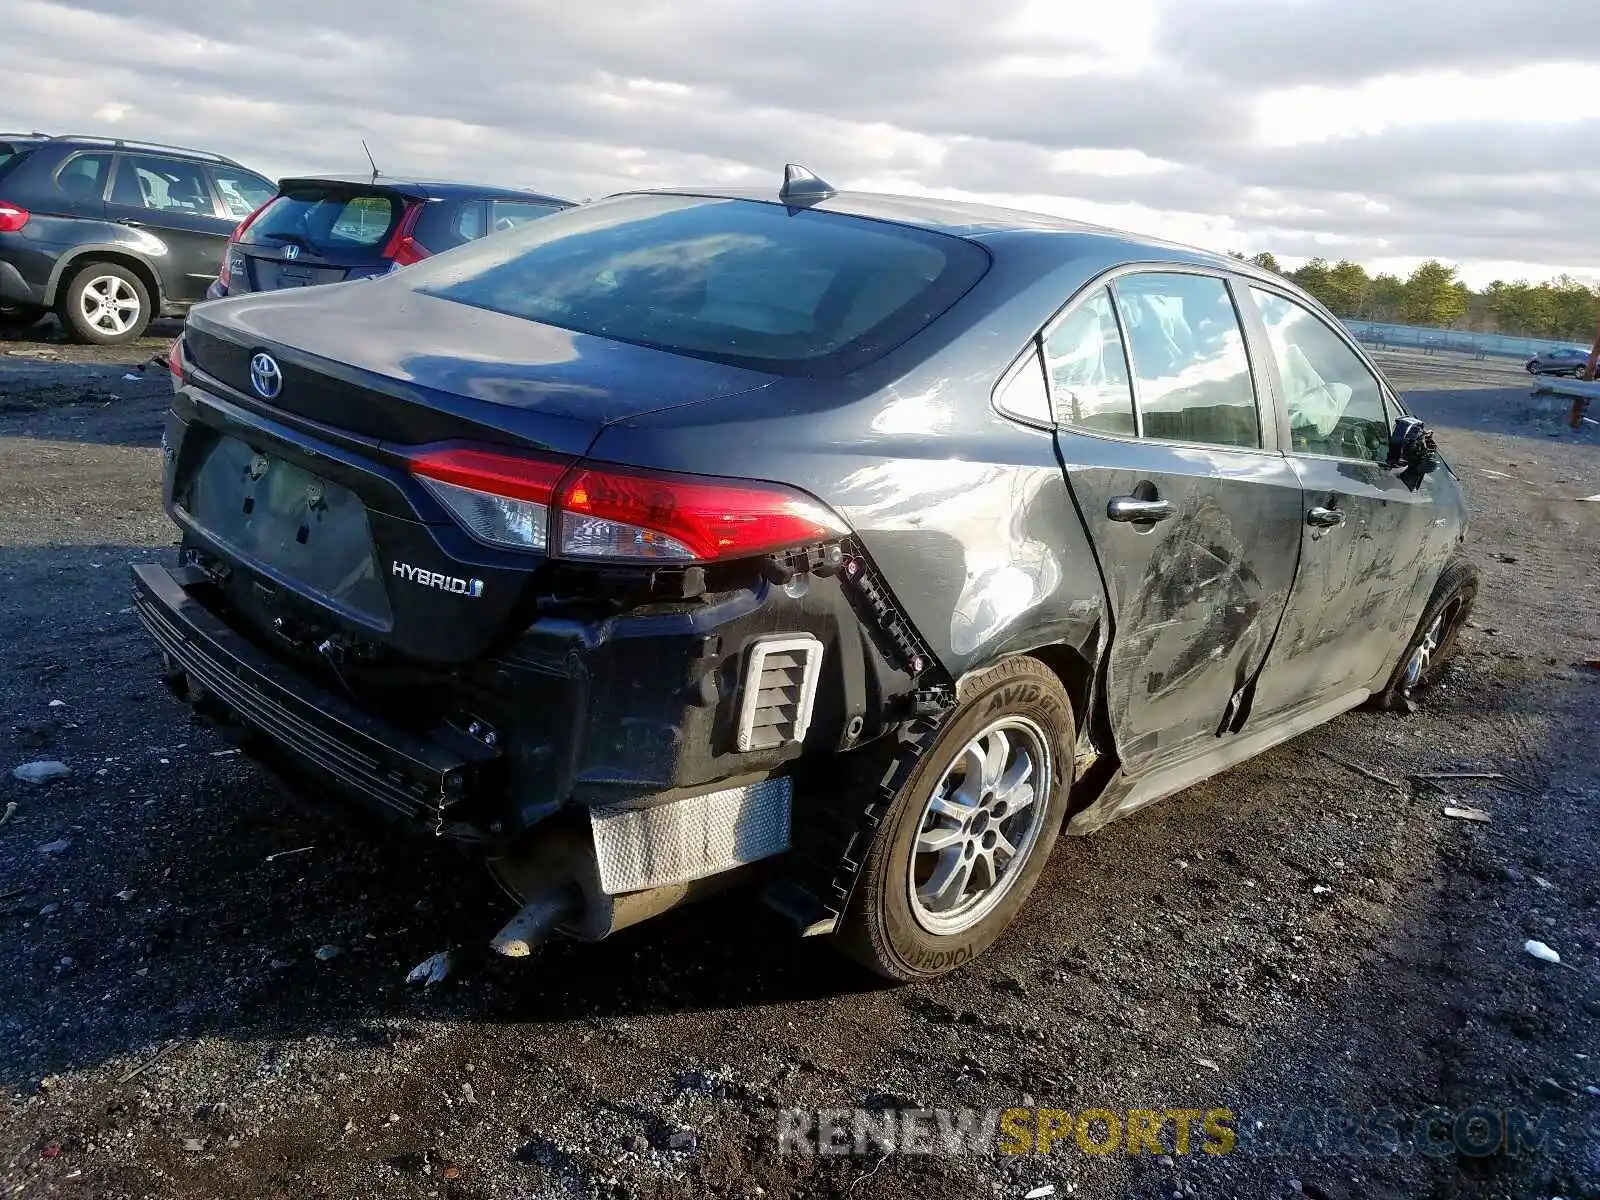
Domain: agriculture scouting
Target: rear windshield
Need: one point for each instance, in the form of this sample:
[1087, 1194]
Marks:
[753, 284]
[11, 155]
[333, 223]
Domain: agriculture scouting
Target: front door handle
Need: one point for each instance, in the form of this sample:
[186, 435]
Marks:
[1131, 508]
[1325, 518]
[131, 222]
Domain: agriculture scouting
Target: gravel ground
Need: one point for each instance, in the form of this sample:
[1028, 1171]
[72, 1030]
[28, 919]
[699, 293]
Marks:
[202, 990]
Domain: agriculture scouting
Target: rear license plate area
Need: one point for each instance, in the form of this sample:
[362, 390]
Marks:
[306, 530]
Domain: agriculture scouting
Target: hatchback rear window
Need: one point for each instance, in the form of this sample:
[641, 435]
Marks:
[11, 156]
[334, 223]
[788, 291]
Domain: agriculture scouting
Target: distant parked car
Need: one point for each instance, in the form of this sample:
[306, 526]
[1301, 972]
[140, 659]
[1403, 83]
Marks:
[1561, 361]
[112, 233]
[333, 228]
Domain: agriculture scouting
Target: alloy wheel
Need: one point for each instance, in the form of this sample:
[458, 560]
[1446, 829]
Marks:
[979, 826]
[109, 304]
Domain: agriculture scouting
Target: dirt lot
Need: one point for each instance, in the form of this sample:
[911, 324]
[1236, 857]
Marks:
[1293, 935]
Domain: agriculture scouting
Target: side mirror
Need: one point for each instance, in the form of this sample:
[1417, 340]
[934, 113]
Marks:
[1411, 446]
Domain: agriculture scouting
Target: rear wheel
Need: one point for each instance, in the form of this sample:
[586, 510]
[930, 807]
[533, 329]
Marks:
[106, 304]
[1435, 641]
[967, 834]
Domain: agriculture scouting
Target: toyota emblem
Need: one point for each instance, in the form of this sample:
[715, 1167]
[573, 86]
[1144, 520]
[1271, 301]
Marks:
[265, 376]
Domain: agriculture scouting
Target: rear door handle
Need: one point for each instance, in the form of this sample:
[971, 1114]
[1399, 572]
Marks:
[1131, 508]
[1325, 518]
[130, 221]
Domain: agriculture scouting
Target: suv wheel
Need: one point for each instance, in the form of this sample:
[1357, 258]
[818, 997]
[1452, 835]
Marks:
[106, 304]
[968, 831]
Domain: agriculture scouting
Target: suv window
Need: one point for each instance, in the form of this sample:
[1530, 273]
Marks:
[12, 154]
[735, 281]
[167, 185]
[242, 193]
[328, 220]
[83, 177]
[1192, 374]
[1088, 369]
[1335, 403]
[508, 214]
[446, 224]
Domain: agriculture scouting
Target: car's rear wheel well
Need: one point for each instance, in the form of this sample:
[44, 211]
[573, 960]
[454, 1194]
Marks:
[71, 269]
[1075, 673]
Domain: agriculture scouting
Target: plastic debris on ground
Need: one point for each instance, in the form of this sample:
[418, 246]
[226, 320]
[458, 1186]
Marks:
[326, 952]
[436, 968]
[46, 771]
[1540, 951]
[1476, 815]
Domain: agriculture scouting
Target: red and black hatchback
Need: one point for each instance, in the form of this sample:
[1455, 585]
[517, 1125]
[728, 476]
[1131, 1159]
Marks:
[333, 228]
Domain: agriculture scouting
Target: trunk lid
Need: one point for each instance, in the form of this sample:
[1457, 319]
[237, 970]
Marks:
[308, 496]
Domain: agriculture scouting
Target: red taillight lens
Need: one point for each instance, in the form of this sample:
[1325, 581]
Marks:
[500, 499]
[225, 275]
[403, 249]
[601, 512]
[175, 363]
[12, 218]
[619, 514]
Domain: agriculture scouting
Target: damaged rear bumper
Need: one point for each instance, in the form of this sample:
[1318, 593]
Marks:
[320, 733]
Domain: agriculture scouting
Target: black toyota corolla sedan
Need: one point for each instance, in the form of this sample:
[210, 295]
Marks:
[853, 545]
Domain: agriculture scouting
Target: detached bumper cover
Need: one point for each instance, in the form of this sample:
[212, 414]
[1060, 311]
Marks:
[320, 731]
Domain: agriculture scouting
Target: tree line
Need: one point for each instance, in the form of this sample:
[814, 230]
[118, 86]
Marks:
[1563, 308]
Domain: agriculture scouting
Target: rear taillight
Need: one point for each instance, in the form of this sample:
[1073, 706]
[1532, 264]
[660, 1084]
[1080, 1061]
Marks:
[404, 249]
[600, 512]
[497, 498]
[611, 512]
[12, 218]
[225, 275]
[175, 363]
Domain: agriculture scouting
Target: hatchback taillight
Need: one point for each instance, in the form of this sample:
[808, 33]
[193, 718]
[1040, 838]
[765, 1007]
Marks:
[225, 274]
[403, 248]
[12, 218]
[603, 512]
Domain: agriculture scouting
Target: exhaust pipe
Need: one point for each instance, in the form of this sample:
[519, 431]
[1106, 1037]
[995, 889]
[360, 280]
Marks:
[533, 923]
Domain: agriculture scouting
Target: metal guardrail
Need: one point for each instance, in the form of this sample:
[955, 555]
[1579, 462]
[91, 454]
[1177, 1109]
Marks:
[1431, 341]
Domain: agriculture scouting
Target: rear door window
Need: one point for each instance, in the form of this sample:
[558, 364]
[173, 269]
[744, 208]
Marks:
[791, 291]
[506, 215]
[1191, 373]
[242, 192]
[165, 185]
[334, 223]
[1088, 369]
[1335, 404]
[445, 224]
[83, 177]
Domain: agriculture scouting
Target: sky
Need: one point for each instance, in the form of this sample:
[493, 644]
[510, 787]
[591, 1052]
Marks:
[1385, 131]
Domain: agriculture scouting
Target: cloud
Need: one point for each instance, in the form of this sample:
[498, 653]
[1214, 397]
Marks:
[1304, 126]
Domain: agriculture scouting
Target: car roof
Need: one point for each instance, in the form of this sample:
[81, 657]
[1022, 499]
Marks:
[434, 189]
[121, 146]
[993, 226]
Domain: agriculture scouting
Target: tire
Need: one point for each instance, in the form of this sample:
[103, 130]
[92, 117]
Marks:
[1447, 612]
[105, 304]
[18, 317]
[896, 926]
[1533, 367]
